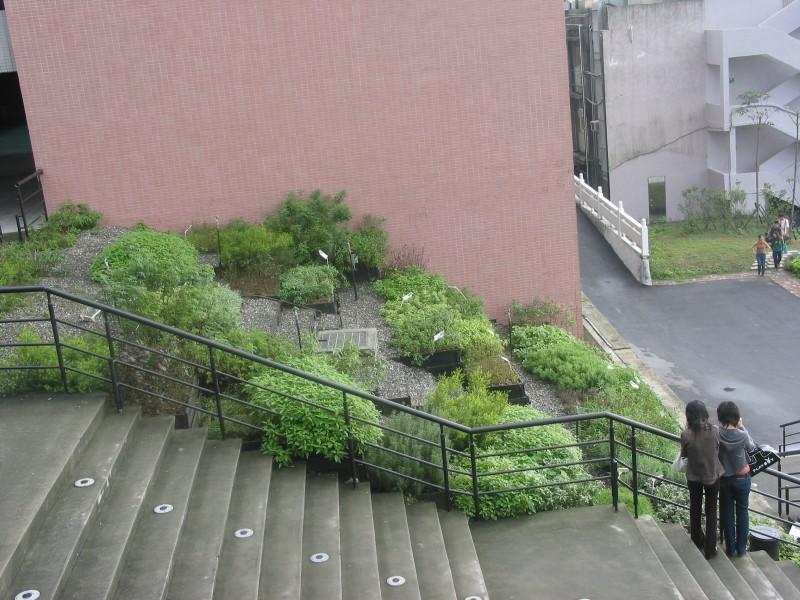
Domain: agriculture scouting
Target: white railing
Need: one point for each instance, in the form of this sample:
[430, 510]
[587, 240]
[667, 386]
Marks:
[628, 237]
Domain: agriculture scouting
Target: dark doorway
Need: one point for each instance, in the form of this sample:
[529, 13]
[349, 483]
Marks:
[16, 156]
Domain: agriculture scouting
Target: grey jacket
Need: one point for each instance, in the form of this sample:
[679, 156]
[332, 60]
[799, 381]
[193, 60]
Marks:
[732, 444]
[701, 449]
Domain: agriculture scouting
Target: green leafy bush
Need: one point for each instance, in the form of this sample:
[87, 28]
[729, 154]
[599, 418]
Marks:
[203, 237]
[425, 286]
[497, 369]
[512, 504]
[664, 511]
[158, 261]
[310, 283]
[414, 325]
[50, 379]
[571, 365]
[624, 496]
[302, 429]
[793, 266]
[370, 243]
[256, 250]
[477, 339]
[365, 368]
[527, 339]
[542, 312]
[67, 223]
[473, 407]
[315, 223]
[382, 481]
[208, 309]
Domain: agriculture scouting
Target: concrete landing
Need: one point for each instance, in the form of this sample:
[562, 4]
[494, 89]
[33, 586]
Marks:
[580, 553]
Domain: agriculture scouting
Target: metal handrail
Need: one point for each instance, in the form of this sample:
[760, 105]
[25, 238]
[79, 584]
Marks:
[453, 461]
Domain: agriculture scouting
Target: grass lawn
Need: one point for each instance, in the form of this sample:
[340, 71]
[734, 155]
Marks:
[677, 255]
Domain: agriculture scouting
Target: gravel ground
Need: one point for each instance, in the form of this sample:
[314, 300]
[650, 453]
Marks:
[257, 313]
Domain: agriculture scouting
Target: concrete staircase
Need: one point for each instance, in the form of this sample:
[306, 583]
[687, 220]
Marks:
[96, 504]
[171, 514]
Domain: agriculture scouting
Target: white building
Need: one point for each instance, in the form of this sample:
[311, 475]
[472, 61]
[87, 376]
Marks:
[673, 73]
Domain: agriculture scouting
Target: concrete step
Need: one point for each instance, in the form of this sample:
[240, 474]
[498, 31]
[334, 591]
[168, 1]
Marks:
[698, 566]
[732, 579]
[791, 570]
[321, 580]
[96, 569]
[147, 568]
[360, 576]
[778, 578]
[673, 565]
[56, 543]
[393, 543]
[430, 554]
[240, 562]
[45, 434]
[755, 578]
[282, 561]
[464, 564]
[197, 556]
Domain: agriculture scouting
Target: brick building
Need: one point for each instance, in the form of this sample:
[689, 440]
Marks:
[450, 119]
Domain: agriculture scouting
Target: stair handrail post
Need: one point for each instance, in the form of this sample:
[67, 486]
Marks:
[112, 363]
[645, 239]
[635, 469]
[350, 442]
[780, 493]
[445, 467]
[212, 361]
[612, 454]
[476, 500]
[57, 342]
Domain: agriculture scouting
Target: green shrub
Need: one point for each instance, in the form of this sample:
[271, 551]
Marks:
[512, 504]
[315, 223]
[158, 261]
[527, 339]
[256, 250]
[50, 379]
[473, 407]
[208, 309]
[414, 325]
[301, 429]
[203, 237]
[571, 365]
[477, 339]
[365, 368]
[624, 496]
[307, 284]
[542, 312]
[664, 511]
[426, 287]
[370, 243]
[497, 369]
[793, 266]
[382, 481]
[68, 222]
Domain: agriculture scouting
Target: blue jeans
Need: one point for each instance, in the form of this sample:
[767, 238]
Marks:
[762, 263]
[734, 495]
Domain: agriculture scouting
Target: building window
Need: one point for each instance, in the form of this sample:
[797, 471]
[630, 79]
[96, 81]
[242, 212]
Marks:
[657, 194]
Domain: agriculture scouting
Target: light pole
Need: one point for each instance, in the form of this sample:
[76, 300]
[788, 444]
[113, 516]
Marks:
[796, 118]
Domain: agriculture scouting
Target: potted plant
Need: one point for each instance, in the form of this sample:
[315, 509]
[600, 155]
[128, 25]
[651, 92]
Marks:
[312, 286]
[502, 377]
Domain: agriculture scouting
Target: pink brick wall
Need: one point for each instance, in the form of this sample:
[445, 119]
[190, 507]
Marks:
[450, 118]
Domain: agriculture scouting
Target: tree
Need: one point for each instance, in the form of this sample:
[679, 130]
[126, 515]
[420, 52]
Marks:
[752, 107]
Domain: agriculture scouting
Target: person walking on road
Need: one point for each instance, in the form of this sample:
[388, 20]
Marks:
[700, 448]
[734, 486]
[760, 249]
[786, 228]
[777, 250]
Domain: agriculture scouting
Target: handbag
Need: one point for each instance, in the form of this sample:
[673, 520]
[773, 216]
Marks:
[760, 458]
[679, 464]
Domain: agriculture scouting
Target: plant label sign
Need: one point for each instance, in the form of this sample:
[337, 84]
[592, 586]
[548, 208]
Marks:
[323, 255]
[407, 296]
[438, 336]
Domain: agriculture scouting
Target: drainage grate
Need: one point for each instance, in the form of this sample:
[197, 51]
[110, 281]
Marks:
[365, 339]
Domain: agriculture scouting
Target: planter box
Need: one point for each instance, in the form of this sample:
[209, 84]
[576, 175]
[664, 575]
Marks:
[516, 393]
[443, 362]
[328, 308]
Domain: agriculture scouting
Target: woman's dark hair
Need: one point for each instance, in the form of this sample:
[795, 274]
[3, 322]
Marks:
[728, 413]
[696, 415]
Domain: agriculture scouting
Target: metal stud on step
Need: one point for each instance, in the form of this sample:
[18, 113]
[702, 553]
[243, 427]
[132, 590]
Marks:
[243, 533]
[162, 509]
[396, 580]
[27, 595]
[84, 482]
[474, 598]
[319, 557]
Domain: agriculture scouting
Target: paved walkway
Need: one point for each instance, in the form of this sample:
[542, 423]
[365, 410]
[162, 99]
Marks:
[722, 338]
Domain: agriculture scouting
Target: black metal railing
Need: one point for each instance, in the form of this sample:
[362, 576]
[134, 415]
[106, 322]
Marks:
[30, 203]
[790, 446]
[613, 451]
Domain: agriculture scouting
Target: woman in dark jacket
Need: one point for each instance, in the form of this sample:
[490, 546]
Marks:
[734, 490]
[700, 446]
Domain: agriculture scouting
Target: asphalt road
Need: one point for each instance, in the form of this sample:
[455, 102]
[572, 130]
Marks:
[711, 341]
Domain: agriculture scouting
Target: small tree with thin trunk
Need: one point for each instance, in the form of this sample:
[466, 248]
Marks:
[759, 116]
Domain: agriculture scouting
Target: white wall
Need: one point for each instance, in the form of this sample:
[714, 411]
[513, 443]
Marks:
[723, 14]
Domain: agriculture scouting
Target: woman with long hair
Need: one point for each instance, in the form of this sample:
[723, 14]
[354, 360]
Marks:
[734, 489]
[700, 448]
